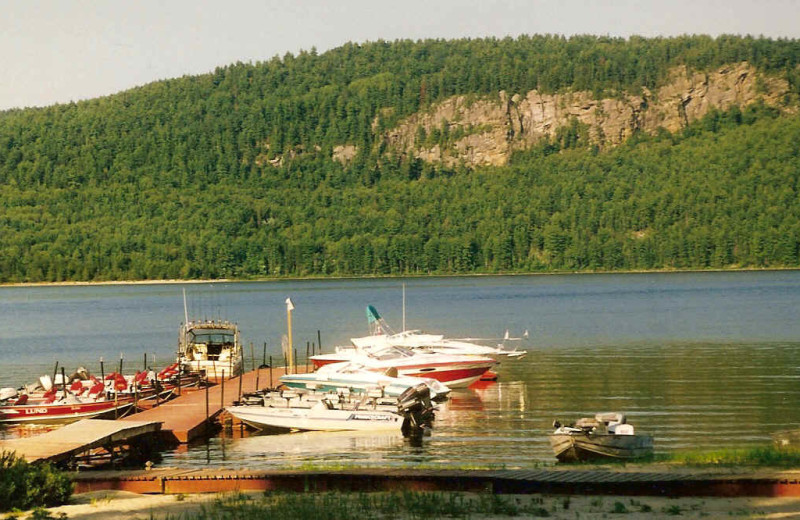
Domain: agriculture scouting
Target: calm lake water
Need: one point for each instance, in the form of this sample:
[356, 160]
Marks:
[700, 360]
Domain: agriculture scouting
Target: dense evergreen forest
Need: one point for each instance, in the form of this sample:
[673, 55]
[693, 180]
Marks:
[229, 174]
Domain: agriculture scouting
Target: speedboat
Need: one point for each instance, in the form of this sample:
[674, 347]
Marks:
[454, 371]
[211, 348]
[606, 436]
[358, 379]
[382, 335]
[413, 415]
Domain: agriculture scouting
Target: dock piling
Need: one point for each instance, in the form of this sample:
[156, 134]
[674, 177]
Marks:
[207, 401]
[222, 392]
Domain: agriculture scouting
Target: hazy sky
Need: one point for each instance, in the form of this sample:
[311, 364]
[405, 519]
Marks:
[54, 51]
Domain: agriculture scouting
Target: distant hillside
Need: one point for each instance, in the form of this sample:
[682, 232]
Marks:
[531, 154]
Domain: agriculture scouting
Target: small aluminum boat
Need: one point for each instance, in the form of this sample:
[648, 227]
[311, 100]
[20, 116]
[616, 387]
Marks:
[606, 436]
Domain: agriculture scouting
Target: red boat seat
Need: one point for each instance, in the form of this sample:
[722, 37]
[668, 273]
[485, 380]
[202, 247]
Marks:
[23, 399]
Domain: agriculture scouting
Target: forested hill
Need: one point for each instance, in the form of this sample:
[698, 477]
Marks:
[538, 153]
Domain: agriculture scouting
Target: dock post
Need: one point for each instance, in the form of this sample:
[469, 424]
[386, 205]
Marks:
[179, 382]
[319, 341]
[264, 362]
[145, 362]
[270, 372]
[258, 373]
[222, 392]
[241, 376]
[206, 402]
[252, 356]
[102, 374]
[64, 384]
[294, 366]
[308, 346]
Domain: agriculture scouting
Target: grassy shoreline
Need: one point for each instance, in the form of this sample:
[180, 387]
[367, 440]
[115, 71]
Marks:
[386, 277]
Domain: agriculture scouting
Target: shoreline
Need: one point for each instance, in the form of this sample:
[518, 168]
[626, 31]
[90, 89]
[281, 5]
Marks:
[179, 281]
[101, 505]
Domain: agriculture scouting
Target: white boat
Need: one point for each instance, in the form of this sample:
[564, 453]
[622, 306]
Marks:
[358, 379]
[212, 348]
[412, 415]
[454, 371]
[320, 417]
[382, 335]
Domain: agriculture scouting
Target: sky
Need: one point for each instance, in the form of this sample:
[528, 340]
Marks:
[57, 51]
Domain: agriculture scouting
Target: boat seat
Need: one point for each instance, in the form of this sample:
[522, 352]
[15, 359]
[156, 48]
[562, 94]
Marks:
[587, 422]
[23, 399]
[611, 417]
[623, 429]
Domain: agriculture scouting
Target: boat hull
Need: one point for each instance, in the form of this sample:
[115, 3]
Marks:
[61, 413]
[212, 371]
[454, 375]
[304, 419]
[575, 447]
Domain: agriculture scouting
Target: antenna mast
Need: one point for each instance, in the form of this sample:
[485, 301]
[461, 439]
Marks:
[185, 309]
[404, 307]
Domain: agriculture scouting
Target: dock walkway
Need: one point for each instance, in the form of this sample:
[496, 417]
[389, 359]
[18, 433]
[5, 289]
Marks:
[550, 481]
[184, 418]
[76, 438]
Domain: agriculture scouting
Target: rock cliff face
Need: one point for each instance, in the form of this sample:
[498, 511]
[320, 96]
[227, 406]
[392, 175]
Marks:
[486, 131]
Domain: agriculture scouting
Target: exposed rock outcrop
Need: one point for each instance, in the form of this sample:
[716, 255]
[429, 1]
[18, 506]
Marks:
[485, 131]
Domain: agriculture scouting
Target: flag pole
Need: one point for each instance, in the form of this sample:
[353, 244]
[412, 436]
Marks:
[289, 308]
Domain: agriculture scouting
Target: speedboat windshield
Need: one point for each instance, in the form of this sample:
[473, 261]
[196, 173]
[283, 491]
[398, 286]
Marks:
[393, 352]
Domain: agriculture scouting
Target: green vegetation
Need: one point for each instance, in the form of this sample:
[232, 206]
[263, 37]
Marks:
[763, 456]
[744, 457]
[230, 174]
[345, 506]
[25, 486]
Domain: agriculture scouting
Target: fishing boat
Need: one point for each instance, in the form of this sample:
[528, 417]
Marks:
[358, 379]
[412, 416]
[455, 371]
[211, 348]
[83, 396]
[606, 436]
[67, 408]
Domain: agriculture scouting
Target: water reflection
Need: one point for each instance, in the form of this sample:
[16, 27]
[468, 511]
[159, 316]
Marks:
[700, 360]
[689, 396]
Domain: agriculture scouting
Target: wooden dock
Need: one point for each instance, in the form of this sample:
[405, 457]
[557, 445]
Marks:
[186, 418]
[77, 438]
[548, 481]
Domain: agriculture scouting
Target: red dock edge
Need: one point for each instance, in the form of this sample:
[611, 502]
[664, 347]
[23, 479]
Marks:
[572, 482]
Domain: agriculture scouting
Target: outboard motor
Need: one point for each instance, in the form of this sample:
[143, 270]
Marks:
[415, 406]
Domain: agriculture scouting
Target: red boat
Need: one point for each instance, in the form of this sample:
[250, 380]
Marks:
[62, 412]
[456, 371]
[89, 398]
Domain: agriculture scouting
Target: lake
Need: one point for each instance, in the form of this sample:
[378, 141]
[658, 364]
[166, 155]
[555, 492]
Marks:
[700, 360]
